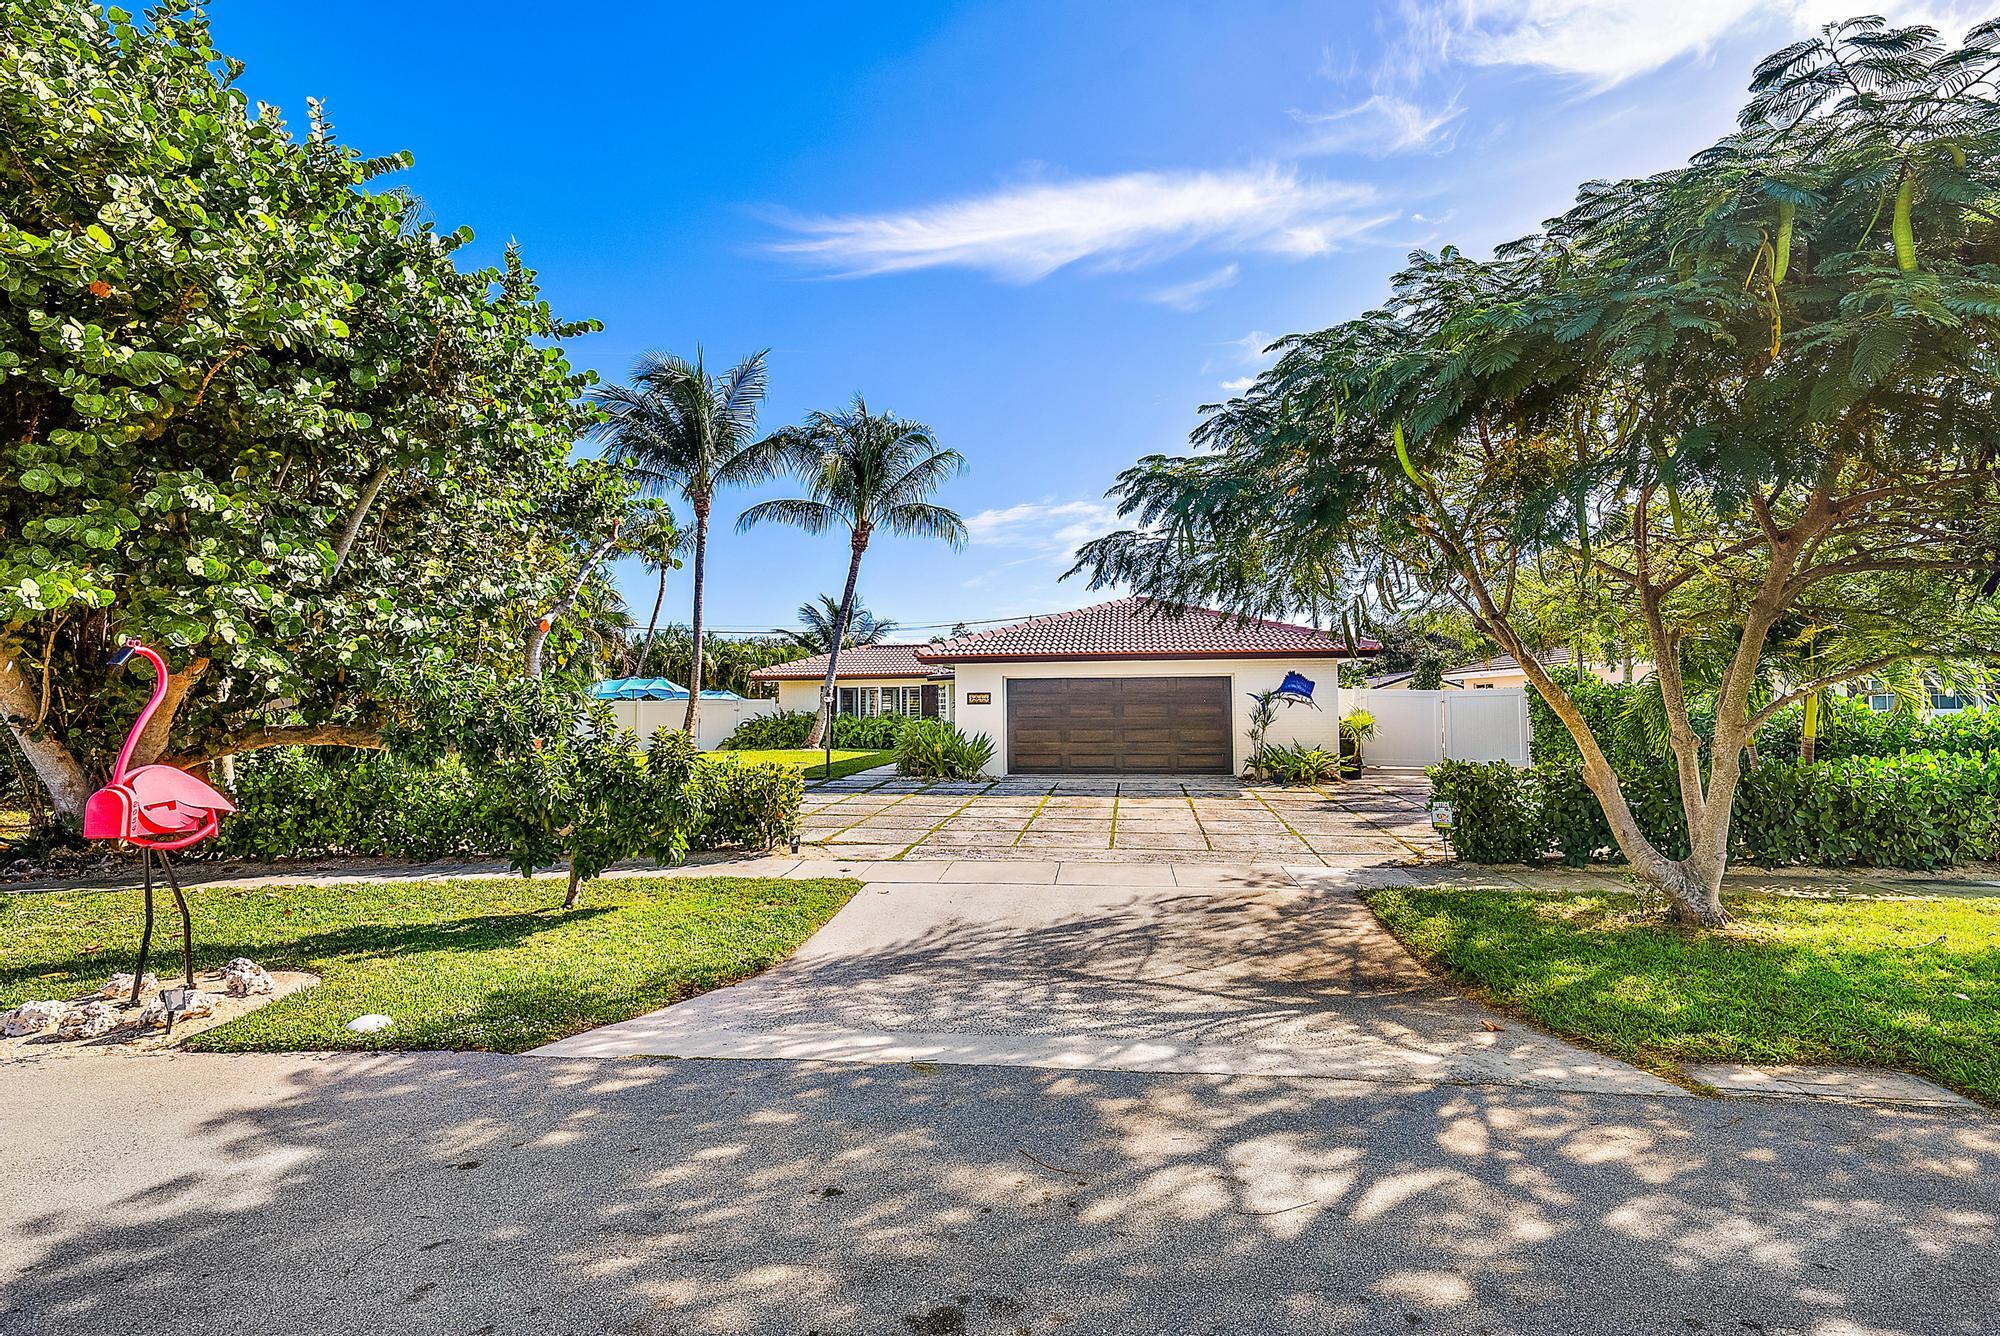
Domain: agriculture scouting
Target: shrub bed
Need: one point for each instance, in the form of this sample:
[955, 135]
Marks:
[787, 730]
[934, 749]
[1919, 810]
[299, 802]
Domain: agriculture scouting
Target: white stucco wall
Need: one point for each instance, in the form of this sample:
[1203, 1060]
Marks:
[719, 718]
[1295, 723]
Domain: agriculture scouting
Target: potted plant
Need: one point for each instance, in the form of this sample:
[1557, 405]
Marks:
[1355, 728]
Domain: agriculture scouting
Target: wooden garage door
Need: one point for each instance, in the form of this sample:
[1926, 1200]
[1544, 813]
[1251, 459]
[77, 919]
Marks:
[1118, 725]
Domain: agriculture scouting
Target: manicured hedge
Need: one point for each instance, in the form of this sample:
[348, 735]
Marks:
[1848, 727]
[1921, 810]
[303, 802]
[788, 730]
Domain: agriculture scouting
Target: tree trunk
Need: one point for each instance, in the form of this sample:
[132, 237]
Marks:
[652, 626]
[58, 772]
[693, 718]
[152, 744]
[823, 722]
[575, 894]
[353, 529]
[539, 636]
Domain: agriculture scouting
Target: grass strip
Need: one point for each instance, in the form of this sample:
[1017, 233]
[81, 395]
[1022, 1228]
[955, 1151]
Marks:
[1910, 984]
[489, 963]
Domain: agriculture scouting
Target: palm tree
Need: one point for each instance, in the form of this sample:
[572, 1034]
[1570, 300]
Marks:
[679, 429]
[817, 619]
[865, 471]
[658, 543]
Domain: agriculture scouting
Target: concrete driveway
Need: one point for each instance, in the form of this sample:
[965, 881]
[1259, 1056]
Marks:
[472, 1193]
[1107, 967]
[1378, 818]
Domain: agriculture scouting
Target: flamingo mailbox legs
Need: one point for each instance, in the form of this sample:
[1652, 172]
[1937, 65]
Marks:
[158, 808]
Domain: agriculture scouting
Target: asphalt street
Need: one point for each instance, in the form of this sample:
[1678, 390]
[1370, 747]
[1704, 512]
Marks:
[470, 1193]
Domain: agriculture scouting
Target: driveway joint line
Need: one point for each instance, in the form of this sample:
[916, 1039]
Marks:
[869, 816]
[1290, 829]
[1022, 833]
[1206, 842]
[957, 811]
[1371, 821]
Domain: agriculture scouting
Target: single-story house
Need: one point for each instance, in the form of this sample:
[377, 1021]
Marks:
[1504, 670]
[1137, 687]
[1127, 687]
[873, 679]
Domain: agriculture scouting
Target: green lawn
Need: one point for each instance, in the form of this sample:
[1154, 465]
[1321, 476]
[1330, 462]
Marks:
[489, 964]
[1913, 984]
[845, 761]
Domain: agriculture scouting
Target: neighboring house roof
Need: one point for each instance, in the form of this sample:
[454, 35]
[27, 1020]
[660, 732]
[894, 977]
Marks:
[1507, 663]
[855, 661]
[650, 688]
[1141, 628]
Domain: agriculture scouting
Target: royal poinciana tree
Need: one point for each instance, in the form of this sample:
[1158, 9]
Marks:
[253, 411]
[1743, 414]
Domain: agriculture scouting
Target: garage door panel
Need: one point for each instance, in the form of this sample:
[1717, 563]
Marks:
[1111, 725]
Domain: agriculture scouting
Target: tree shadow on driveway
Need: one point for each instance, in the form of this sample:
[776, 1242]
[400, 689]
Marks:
[470, 1192]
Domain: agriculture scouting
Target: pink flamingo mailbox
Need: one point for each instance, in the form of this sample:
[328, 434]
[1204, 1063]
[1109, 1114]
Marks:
[157, 808]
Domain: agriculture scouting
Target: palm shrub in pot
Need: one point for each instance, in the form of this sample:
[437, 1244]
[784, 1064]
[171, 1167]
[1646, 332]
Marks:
[1355, 728]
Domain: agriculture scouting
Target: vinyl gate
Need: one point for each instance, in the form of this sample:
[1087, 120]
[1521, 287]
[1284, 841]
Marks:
[1419, 728]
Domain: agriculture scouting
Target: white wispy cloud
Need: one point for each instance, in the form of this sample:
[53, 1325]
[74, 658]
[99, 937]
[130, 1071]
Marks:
[1606, 42]
[1383, 124]
[1044, 524]
[1040, 537]
[1193, 294]
[1240, 384]
[1026, 232]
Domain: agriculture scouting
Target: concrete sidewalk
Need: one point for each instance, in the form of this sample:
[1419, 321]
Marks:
[1147, 968]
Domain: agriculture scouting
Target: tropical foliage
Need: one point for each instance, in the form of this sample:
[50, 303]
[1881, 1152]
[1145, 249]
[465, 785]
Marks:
[1742, 408]
[678, 429]
[934, 749]
[1916, 810]
[255, 412]
[788, 730]
[727, 661]
[863, 472]
[819, 616]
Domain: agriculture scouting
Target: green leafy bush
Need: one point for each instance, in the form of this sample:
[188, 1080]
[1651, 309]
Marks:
[1300, 763]
[783, 731]
[1921, 810]
[299, 802]
[309, 802]
[788, 730]
[753, 804]
[1618, 714]
[934, 749]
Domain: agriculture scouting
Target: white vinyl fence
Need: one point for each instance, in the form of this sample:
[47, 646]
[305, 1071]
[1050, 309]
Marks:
[1418, 728]
[719, 718]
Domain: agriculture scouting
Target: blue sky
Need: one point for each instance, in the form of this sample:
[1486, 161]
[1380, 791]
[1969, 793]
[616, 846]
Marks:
[1049, 230]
